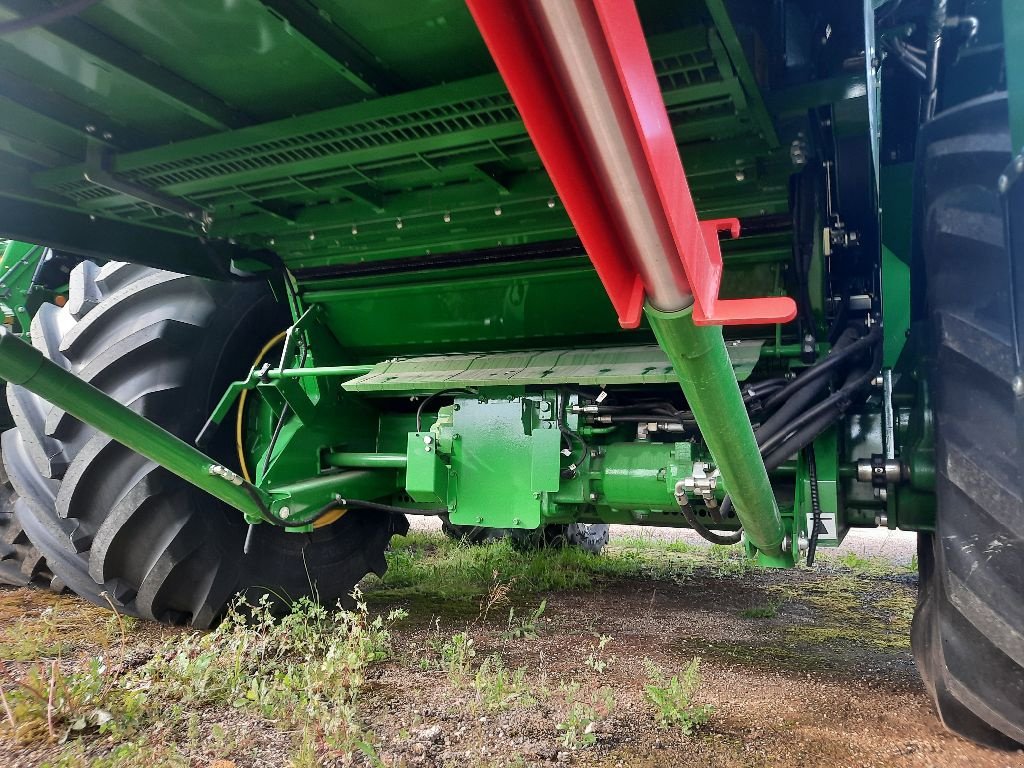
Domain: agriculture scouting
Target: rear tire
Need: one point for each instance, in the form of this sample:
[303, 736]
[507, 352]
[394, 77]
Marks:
[21, 562]
[968, 632]
[114, 526]
[590, 537]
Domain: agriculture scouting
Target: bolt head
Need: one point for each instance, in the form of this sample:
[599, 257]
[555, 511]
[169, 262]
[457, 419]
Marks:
[594, 496]
[284, 513]
[1018, 163]
[1018, 386]
[1003, 183]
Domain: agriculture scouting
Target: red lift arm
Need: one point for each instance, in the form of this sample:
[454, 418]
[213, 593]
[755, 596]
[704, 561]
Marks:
[581, 75]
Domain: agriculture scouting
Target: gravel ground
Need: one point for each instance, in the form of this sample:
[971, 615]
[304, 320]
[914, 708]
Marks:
[800, 668]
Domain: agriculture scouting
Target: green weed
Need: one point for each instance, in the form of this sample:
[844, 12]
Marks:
[673, 697]
[525, 627]
[597, 661]
[760, 612]
[577, 729]
[497, 688]
[455, 654]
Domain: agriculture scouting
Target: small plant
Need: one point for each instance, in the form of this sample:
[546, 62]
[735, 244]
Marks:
[524, 628]
[577, 729]
[497, 688]
[456, 654]
[596, 660]
[673, 698]
[760, 612]
[497, 593]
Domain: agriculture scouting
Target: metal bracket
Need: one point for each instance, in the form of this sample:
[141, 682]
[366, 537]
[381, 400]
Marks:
[99, 169]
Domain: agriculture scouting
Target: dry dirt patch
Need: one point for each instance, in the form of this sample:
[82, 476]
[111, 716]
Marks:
[797, 668]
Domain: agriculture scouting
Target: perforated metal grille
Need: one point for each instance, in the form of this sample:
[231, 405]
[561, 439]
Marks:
[315, 145]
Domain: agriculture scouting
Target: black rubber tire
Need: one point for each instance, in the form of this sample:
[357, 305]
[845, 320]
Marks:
[591, 537]
[968, 631]
[114, 525]
[21, 562]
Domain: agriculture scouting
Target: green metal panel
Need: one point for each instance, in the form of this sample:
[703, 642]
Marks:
[602, 366]
[497, 460]
[895, 306]
[426, 476]
[1013, 35]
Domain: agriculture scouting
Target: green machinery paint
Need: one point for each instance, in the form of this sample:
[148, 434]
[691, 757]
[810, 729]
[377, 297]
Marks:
[700, 360]
[449, 341]
[411, 213]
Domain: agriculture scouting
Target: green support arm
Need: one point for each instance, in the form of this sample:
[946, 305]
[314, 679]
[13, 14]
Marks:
[25, 366]
[701, 362]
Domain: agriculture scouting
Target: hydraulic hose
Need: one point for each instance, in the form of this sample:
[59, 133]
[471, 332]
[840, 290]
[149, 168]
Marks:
[812, 475]
[705, 533]
[828, 364]
[840, 400]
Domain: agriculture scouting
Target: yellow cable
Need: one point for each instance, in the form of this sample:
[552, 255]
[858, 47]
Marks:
[330, 517]
[241, 406]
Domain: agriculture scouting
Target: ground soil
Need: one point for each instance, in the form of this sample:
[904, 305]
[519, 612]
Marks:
[801, 668]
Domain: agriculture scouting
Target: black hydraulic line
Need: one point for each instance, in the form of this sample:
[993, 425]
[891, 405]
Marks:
[804, 390]
[706, 533]
[797, 403]
[840, 400]
[778, 447]
[914, 65]
[812, 476]
[433, 396]
[274, 436]
[376, 507]
[51, 16]
[834, 359]
[801, 439]
[570, 435]
[283, 415]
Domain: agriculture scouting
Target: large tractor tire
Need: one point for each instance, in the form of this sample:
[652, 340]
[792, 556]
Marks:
[968, 632]
[21, 562]
[115, 527]
[590, 537]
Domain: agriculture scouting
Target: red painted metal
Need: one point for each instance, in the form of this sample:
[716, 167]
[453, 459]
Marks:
[517, 46]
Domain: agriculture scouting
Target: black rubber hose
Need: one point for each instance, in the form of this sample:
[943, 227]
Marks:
[705, 533]
[433, 396]
[838, 402]
[834, 359]
[799, 438]
[805, 390]
[936, 24]
[812, 476]
[376, 507]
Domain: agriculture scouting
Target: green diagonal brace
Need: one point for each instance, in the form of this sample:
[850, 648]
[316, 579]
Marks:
[701, 362]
